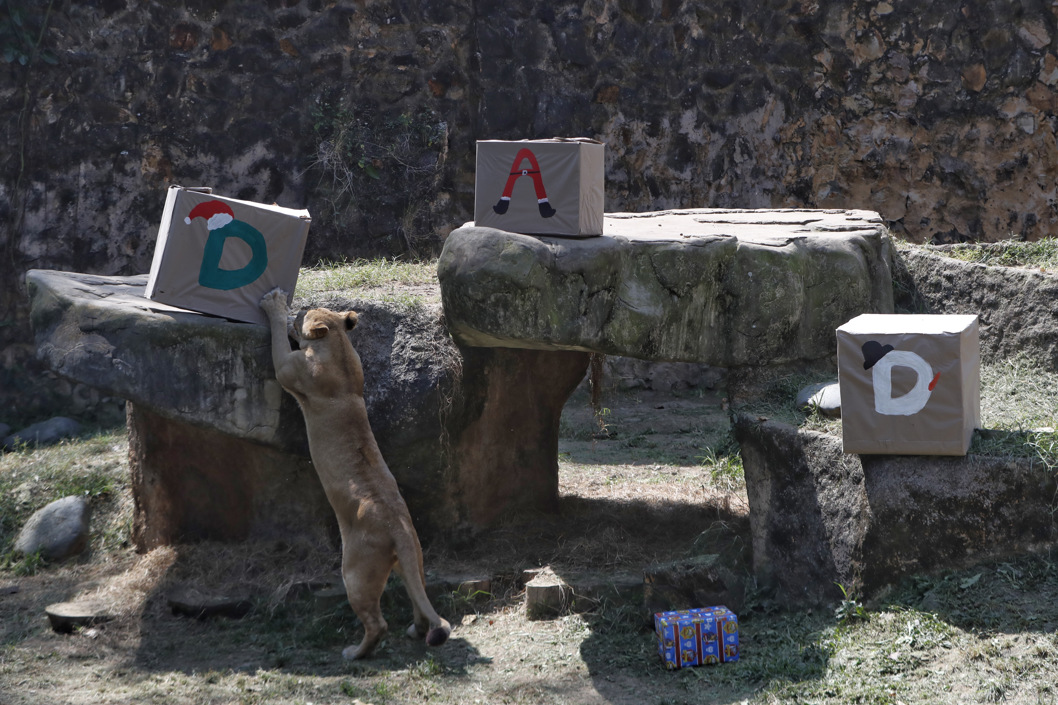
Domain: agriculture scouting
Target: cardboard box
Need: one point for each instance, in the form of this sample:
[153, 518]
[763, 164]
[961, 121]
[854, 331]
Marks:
[220, 255]
[910, 384]
[694, 637]
[540, 187]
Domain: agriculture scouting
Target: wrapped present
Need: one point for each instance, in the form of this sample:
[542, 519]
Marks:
[910, 383]
[540, 187]
[220, 255]
[699, 636]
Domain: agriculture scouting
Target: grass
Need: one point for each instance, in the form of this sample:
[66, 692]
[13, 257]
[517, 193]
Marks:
[1041, 254]
[980, 635]
[94, 467]
[410, 283]
[723, 462]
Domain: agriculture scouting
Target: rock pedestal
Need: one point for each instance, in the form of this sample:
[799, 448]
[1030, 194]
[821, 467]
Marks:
[820, 518]
[192, 483]
[506, 454]
[218, 450]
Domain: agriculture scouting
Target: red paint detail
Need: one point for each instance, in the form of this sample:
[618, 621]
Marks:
[934, 382]
[208, 209]
[538, 181]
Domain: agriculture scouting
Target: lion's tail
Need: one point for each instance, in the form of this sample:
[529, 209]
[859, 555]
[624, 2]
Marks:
[409, 561]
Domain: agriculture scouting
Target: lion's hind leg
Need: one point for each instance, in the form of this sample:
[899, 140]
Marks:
[365, 579]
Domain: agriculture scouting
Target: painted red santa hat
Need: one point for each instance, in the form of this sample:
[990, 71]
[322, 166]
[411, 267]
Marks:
[217, 214]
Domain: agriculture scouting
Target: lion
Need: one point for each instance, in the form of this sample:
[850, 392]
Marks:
[326, 378]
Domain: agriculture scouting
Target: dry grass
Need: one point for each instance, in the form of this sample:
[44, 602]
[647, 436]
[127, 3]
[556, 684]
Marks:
[410, 283]
[1041, 254]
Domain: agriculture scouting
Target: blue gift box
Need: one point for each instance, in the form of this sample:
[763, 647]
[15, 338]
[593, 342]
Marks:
[699, 636]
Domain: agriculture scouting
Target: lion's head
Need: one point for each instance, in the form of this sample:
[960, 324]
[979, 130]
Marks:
[319, 321]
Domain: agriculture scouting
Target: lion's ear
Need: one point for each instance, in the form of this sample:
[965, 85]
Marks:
[350, 320]
[316, 331]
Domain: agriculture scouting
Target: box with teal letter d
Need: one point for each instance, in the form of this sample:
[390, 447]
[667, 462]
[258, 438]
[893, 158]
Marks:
[695, 637]
[220, 255]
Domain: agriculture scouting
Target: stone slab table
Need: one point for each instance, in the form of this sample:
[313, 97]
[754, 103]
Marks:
[470, 427]
[740, 289]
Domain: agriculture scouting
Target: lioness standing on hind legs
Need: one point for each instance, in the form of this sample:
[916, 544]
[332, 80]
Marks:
[326, 378]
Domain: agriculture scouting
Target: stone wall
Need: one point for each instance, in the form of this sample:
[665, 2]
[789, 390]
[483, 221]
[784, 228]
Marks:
[940, 116]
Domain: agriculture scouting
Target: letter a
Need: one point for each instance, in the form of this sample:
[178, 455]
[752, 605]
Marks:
[910, 403]
[211, 275]
[546, 211]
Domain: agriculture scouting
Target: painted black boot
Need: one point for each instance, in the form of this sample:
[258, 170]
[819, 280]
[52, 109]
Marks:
[501, 206]
[546, 211]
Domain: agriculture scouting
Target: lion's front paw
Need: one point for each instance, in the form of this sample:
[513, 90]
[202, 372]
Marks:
[274, 301]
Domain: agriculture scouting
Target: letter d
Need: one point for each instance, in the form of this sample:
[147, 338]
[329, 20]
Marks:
[910, 403]
[211, 275]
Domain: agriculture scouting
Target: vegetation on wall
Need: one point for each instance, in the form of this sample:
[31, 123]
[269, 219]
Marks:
[1041, 254]
[21, 31]
[364, 157]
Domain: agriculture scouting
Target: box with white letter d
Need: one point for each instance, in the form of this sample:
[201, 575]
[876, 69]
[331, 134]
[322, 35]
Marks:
[910, 384]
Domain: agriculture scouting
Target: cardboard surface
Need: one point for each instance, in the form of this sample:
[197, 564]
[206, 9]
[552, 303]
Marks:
[540, 187]
[910, 384]
[220, 255]
[694, 637]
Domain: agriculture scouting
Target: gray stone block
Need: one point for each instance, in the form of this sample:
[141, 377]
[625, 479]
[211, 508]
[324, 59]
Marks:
[58, 530]
[820, 518]
[45, 433]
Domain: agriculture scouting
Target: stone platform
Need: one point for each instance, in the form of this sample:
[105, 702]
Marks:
[468, 426]
[217, 449]
[821, 518]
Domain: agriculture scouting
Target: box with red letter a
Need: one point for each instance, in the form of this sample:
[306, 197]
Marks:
[540, 187]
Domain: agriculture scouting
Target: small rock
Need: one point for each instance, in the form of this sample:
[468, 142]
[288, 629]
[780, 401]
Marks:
[44, 433]
[469, 587]
[64, 617]
[824, 396]
[331, 597]
[58, 531]
[474, 588]
[197, 603]
[307, 588]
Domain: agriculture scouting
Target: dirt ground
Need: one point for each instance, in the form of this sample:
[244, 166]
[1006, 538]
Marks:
[634, 492]
[645, 477]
